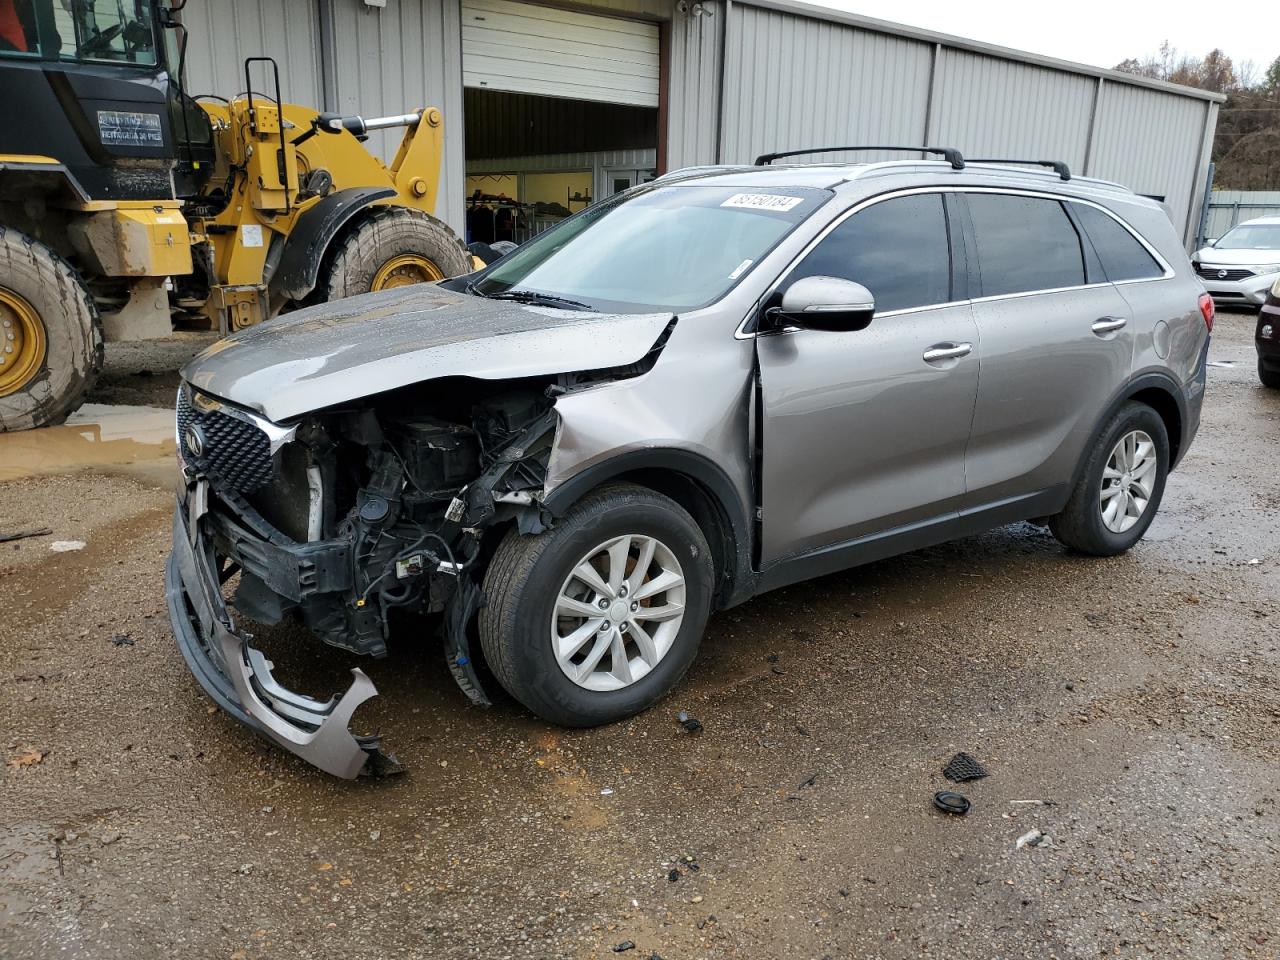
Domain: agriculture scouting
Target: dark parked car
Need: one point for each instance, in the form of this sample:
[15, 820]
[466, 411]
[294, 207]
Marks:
[1267, 339]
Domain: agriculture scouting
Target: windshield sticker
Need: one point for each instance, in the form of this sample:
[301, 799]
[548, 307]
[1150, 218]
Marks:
[762, 201]
[740, 268]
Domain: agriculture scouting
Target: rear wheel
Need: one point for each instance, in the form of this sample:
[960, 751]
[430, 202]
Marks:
[1120, 486]
[1269, 378]
[597, 618]
[50, 335]
[392, 247]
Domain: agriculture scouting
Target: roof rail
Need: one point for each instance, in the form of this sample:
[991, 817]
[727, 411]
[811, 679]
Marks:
[950, 154]
[1057, 166]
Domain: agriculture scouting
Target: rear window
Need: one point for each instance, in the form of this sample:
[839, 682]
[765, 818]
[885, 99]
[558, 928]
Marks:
[1024, 244]
[1122, 256]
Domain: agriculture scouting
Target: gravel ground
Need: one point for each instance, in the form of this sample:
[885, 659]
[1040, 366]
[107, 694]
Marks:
[1138, 698]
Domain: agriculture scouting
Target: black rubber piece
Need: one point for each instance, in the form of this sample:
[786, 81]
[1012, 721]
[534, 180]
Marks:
[963, 767]
[949, 802]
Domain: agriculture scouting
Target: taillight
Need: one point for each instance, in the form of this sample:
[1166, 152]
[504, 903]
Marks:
[1206, 311]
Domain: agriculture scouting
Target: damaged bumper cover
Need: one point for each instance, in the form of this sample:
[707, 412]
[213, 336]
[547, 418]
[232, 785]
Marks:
[238, 677]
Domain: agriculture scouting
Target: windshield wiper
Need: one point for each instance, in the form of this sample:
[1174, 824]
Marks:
[544, 299]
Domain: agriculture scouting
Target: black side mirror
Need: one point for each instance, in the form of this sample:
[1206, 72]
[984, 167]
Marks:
[827, 303]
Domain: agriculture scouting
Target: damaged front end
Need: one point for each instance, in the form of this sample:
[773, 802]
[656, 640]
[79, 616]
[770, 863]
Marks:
[343, 519]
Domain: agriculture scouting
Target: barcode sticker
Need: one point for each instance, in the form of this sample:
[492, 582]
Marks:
[762, 201]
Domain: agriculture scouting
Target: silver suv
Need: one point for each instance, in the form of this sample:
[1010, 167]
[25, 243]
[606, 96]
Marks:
[713, 385]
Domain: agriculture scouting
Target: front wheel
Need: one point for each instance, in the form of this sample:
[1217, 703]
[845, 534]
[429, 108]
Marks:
[392, 247]
[599, 617]
[1120, 486]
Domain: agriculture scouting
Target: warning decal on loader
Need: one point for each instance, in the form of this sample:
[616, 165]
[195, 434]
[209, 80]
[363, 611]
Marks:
[125, 129]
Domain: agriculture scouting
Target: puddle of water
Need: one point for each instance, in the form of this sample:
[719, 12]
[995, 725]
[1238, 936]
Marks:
[96, 435]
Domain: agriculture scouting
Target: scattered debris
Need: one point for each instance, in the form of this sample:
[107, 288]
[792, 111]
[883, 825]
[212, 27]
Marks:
[28, 758]
[809, 781]
[375, 835]
[1037, 803]
[24, 534]
[122, 640]
[1254, 562]
[1220, 363]
[690, 724]
[66, 546]
[1032, 838]
[963, 767]
[673, 875]
[624, 946]
[607, 792]
[697, 899]
[950, 802]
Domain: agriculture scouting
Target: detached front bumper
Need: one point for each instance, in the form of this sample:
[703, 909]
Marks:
[238, 677]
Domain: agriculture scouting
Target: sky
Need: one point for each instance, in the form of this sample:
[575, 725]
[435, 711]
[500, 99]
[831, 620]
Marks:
[1097, 32]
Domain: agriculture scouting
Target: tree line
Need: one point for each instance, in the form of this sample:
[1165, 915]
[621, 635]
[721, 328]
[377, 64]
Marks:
[1246, 145]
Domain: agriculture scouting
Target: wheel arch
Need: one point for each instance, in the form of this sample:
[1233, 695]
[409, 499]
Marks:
[1160, 392]
[311, 237]
[698, 485]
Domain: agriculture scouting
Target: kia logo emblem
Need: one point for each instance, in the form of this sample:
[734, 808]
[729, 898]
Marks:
[1222, 274]
[194, 441]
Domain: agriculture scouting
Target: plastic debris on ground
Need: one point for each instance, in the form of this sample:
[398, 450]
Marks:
[66, 546]
[690, 724]
[1032, 838]
[950, 802]
[963, 767]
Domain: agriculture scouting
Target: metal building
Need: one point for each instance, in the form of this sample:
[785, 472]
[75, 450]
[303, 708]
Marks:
[552, 106]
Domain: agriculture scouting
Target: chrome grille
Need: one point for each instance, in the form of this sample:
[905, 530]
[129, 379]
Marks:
[1215, 273]
[236, 454]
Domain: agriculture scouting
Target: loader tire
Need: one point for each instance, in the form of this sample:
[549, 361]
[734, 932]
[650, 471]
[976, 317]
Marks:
[392, 247]
[50, 335]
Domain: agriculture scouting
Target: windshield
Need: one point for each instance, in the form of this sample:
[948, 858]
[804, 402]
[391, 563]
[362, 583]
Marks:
[660, 248]
[1252, 236]
[110, 31]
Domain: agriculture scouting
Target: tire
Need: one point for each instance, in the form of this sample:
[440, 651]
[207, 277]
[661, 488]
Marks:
[52, 343]
[523, 586]
[1082, 525]
[358, 261]
[1269, 378]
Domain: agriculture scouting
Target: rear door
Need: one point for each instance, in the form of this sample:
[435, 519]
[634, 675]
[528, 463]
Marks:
[865, 431]
[1057, 342]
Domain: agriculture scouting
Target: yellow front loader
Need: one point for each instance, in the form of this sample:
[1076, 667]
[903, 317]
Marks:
[122, 198]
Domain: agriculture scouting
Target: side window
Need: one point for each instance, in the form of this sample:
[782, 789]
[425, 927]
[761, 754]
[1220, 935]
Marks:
[897, 249]
[1024, 244]
[1123, 257]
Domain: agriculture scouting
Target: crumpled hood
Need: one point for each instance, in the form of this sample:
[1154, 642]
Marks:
[1212, 256]
[335, 352]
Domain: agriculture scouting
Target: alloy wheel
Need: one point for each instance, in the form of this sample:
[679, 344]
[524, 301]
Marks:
[1127, 481]
[618, 612]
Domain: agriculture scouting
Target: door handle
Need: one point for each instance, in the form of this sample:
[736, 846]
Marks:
[1108, 324]
[947, 351]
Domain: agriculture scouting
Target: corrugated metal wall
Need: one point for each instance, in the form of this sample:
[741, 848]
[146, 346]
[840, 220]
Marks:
[693, 94]
[1229, 207]
[397, 58]
[745, 77]
[224, 32]
[1149, 140]
[992, 108]
[799, 82]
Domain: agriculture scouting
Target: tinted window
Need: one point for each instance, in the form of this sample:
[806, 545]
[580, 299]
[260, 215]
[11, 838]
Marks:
[1024, 243]
[1123, 257]
[896, 249]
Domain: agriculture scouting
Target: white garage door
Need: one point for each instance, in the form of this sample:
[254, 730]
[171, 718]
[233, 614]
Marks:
[525, 48]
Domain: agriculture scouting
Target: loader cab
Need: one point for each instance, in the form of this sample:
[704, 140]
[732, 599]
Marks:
[91, 85]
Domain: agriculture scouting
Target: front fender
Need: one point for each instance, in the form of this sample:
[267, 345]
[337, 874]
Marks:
[306, 245]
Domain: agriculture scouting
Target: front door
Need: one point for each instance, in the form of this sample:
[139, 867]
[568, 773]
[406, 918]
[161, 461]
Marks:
[865, 431]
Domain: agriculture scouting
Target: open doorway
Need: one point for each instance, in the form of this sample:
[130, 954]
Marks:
[561, 109]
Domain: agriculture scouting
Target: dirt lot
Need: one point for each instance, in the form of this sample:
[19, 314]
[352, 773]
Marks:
[1138, 697]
